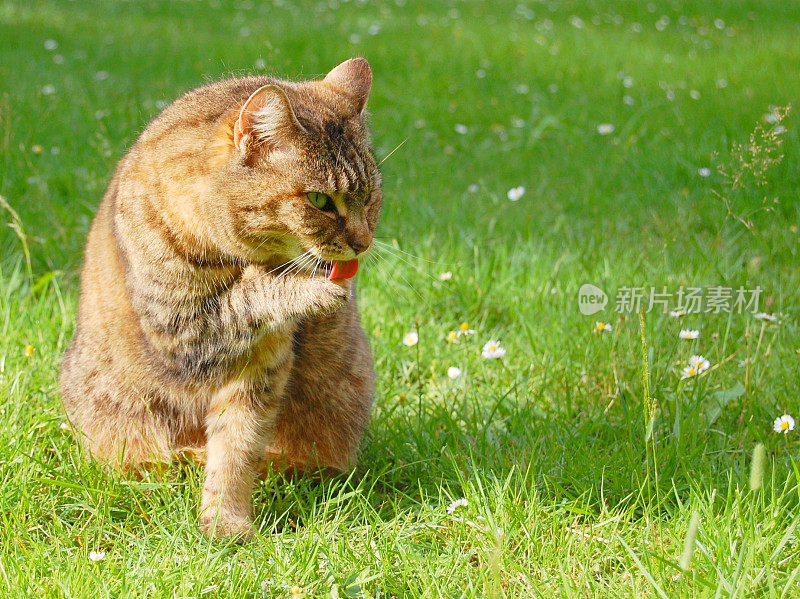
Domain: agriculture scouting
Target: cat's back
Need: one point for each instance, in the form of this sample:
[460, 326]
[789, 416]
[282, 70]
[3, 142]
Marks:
[201, 107]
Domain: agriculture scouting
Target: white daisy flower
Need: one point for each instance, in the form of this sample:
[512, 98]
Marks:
[454, 372]
[783, 424]
[50, 45]
[601, 327]
[461, 129]
[678, 313]
[97, 556]
[410, 339]
[697, 365]
[464, 330]
[700, 363]
[445, 276]
[457, 504]
[605, 128]
[515, 193]
[492, 350]
[765, 316]
[688, 372]
[689, 334]
[704, 171]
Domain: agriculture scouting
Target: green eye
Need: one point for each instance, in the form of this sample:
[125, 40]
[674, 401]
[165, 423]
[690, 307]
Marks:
[320, 200]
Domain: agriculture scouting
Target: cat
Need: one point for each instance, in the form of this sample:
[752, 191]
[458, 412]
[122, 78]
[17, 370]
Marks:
[209, 323]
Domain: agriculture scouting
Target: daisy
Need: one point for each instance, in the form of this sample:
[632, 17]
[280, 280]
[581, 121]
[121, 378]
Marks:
[704, 171]
[783, 424]
[689, 372]
[515, 193]
[454, 372]
[493, 350]
[410, 339]
[461, 129]
[700, 363]
[445, 276]
[765, 316]
[605, 128]
[457, 504]
[697, 365]
[29, 349]
[689, 334]
[463, 329]
[678, 313]
[97, 556]
[452, 337]
[601, 327]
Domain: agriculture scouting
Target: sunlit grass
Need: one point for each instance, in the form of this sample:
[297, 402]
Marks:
[579, 462]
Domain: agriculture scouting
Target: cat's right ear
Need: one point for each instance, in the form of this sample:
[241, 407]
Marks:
[266, 120]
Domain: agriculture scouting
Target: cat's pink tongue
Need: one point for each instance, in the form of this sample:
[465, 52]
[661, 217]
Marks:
[343, 270]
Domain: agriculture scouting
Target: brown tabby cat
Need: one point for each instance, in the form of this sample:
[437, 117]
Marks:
[208, 322]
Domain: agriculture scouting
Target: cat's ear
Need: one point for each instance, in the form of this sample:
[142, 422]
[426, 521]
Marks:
[352, 79]
[266, 119]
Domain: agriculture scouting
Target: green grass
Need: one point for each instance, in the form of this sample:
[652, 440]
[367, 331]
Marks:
[582, 456]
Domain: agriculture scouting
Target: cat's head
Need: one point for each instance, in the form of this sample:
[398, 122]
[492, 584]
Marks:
[301, 176]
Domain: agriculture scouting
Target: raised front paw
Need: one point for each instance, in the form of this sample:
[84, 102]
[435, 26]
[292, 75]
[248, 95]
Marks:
[222, 525]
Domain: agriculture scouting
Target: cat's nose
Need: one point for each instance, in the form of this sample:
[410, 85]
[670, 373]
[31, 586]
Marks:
[358, 246]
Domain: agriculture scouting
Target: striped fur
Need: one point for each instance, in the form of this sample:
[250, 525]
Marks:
[194, 336]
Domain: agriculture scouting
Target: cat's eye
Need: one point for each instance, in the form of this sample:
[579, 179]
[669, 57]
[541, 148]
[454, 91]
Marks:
[321, 201]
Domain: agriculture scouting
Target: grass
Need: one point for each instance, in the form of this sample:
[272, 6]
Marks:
[583, 457]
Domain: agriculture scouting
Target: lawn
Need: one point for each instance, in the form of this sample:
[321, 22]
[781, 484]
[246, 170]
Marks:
[579, 463]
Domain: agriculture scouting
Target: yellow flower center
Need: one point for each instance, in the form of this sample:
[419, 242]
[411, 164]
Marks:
[784, 425]
[464, 326]
[692, 372]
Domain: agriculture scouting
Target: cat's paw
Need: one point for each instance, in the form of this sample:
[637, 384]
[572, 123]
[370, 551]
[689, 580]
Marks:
[326, 297]
[227, 526]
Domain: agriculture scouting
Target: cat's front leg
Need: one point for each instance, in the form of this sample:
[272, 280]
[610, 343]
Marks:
[239, 426]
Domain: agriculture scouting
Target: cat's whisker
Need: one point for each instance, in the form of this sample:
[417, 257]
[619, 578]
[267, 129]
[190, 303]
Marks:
[302, 262]
[385, 158]
[392, 248]
[287, 263]
[412, 265]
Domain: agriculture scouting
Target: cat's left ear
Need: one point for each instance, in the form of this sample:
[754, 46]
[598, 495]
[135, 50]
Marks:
[353, 80]
[267, 118]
